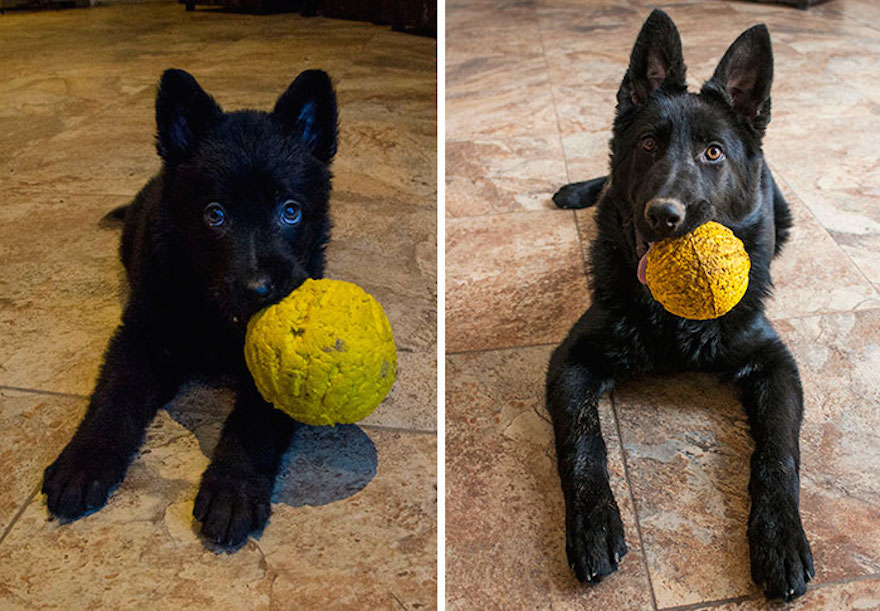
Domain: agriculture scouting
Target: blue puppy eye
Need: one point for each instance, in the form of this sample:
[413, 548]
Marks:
[291, 212]
[214, 214]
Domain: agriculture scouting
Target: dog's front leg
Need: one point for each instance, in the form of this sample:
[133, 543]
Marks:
[771, 393]
[135, 380]
[576, 379]
[234, 496]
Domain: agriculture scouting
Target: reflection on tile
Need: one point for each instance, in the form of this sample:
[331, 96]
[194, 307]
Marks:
[143, 545]
[505, 532]
[687, 445]
[512, 279]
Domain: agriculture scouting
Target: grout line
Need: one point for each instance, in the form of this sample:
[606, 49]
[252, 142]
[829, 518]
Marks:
[397, 429]
[375, 427]
[737, 599]
[574, 216]
[40, 391]
[500, 348]
[20, 511]
[632, 499]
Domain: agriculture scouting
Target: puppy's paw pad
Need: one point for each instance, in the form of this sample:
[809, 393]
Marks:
[595, 541]
[230, 507]
[81, 480]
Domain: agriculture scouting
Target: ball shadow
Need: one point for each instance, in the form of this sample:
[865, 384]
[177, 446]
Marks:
[323, 463]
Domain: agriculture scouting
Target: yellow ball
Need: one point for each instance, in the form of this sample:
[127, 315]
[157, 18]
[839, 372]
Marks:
[701, 275]
[325, 354]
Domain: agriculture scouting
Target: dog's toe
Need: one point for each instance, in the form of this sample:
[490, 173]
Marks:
[80, 480]
[782, 563]
[595, 542]
[230, 507]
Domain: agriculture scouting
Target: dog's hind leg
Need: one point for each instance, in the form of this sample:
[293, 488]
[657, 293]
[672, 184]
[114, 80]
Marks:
[771, 394]
[577, 376]
[135, 381]
[580, 194]
[234, 497]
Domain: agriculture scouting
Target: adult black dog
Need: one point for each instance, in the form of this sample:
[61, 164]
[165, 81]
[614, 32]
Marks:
[679, 159]
[236, 219]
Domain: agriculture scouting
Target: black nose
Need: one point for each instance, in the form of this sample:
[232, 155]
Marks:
[260, 288]
[664, 215]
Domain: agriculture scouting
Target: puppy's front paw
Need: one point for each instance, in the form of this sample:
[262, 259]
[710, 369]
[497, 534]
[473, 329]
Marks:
[80, 480]
[594, 540]
[232, 505]
[782, 563]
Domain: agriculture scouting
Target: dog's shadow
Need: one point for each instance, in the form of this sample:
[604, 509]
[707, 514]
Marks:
[323, 463]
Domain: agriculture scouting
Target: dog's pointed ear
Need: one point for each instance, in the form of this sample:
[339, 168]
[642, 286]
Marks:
[744, 76]
[308, 110]
[656, 61]
[184, 113]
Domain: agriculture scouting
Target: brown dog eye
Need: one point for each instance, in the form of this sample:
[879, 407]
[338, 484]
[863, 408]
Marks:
[714, 153]
[649, 144]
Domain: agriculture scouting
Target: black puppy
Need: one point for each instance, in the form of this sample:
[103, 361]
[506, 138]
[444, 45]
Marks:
[679, 159]
[236, 219]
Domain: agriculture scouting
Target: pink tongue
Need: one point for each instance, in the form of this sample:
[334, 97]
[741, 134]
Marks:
[643, 269]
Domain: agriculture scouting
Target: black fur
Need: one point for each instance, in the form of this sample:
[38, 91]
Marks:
[194, 286]
[660, 151]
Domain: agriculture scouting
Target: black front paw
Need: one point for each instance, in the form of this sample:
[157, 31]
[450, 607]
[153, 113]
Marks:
[80, 480]
[594, 539]
[232, 505]
[782, 563]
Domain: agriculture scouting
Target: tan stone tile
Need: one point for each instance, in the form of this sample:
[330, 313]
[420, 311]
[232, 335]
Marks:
[505, 524]
[862, 594]
[412, 402]
[814, 274]
[687, 445]
[488, 176]
[34, 108]
[62, 289]
[390, 250]
[512, 279]
[143, 545]
[111, 152]
[33, 429]
[503, 149]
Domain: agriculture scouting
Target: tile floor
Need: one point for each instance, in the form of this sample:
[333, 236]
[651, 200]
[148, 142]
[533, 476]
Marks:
[76, 135]
[530, 98]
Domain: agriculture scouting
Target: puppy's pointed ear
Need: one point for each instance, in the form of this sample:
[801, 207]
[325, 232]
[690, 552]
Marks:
[184, 113]
[308, 110]
[744, 76]
[656, 61]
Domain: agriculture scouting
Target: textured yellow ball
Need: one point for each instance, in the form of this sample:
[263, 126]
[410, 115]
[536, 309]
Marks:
[701, 275]
[324, 354]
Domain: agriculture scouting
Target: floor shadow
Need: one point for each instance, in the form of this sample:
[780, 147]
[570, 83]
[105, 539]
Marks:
[323, 463]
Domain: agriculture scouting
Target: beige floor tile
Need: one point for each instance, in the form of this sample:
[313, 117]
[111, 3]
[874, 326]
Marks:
[33, 429]
[505, 532]
[862, 594]
[144, 546]
[687, 445]
[512, 279]
[814, 274]
[62, 287]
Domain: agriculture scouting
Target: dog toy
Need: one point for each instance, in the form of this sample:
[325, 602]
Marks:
[701, 275]
[324, 354]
